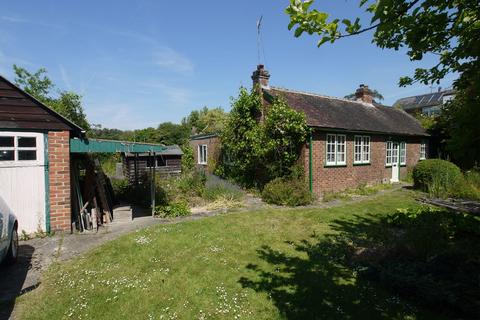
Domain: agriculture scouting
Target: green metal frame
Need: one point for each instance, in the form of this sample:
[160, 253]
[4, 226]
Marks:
[111, 146]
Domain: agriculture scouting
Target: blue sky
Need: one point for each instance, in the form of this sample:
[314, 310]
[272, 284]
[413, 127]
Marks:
[139, 63]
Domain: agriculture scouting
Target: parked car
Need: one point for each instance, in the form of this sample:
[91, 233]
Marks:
[8, 234]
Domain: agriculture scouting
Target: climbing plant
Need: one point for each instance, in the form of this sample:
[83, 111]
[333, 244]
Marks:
[262, 142]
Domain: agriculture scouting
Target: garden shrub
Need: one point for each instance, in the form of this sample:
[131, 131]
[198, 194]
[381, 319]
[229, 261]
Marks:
[213, 193]
[429, 254]
[436, 176]
[473, 177]
[287, 192]
[172, 210]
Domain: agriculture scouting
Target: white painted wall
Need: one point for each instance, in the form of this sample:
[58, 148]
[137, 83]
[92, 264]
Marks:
[22, 186]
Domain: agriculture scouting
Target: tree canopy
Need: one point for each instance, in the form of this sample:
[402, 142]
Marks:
[448, 29]
[206, 120]
[39, 85]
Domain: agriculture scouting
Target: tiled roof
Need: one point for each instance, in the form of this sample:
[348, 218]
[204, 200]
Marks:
[336, 113]
[423, 100]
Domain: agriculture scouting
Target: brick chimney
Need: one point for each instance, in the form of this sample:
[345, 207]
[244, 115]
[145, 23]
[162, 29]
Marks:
[260, 76]
[364, 94]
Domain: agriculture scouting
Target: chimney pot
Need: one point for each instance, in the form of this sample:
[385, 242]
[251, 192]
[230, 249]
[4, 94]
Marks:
[260, 76]
[364, 94]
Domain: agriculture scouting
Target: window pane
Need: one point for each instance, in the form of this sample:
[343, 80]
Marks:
[27, 155]
[161, 162]
[6, 141]
[6, 155]
[27, 142]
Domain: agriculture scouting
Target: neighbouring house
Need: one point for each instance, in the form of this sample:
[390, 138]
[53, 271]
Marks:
[39, 153]
[206, 151]
[166, 163]
[427, 104]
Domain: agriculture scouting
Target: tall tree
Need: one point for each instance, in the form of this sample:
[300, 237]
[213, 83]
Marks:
[206, 120]
[171, 133]
[39, 85]
[446, 29]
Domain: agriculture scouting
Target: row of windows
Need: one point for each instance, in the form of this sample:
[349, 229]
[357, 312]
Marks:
[337, 149]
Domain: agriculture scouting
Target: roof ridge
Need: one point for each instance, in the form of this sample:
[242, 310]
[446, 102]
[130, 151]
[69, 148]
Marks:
[443, 92]
[321, 96]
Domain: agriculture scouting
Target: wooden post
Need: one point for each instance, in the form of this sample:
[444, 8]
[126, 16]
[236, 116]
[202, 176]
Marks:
[135, 167]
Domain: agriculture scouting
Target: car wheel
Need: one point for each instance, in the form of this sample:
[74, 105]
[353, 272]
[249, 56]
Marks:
[12, 254]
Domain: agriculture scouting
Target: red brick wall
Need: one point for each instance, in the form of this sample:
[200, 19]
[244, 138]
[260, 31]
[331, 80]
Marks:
[213, 152]
[59, 174]
[349, 176]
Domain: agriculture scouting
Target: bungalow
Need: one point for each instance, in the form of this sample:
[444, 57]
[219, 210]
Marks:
[352, 142]
[38, 149]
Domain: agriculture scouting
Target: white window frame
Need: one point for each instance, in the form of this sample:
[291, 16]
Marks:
[402, 152]
[423, 150]
[337, 146]
[362, 143]
[402, 149]
[39, 148]
[202, 156]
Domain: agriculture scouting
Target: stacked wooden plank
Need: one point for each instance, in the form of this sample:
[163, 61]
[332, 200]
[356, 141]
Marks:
[92, 197]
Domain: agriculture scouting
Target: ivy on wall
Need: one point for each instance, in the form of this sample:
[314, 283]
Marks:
[262, 142]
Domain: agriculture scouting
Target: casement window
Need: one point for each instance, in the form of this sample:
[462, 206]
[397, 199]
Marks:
[18, 148]
[336, 150]
[361, 149]
[423, 150]
[161, 162]
[389, 148]
[394, 151]
[403, 153]
[202, 154]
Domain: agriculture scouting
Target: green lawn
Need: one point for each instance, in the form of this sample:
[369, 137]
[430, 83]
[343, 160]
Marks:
[276, 264]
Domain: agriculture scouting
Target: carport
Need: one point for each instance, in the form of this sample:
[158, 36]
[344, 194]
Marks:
[96, 194]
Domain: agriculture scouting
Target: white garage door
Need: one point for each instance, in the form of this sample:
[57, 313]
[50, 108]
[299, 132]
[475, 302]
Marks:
[22, 177]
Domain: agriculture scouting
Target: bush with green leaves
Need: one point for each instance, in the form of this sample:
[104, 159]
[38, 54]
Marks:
[436, 176]
[260, 151]
[172, 210]
[287, 192]
[427, 253]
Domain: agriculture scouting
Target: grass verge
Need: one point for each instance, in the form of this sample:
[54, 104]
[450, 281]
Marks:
[271, 264]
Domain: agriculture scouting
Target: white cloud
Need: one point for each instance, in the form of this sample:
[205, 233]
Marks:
[120, 116]
[18, 20]
[65, 77]
[176, 96]
[162, 56]
[167, 58]
[13, 19]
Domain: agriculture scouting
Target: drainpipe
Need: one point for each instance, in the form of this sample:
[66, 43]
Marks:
[310, 166]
